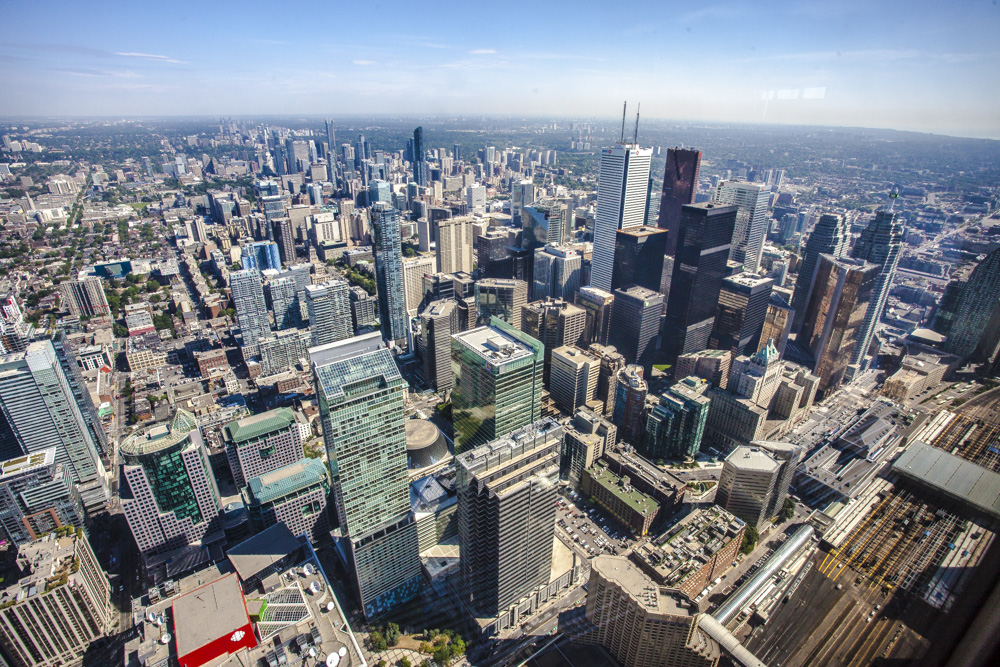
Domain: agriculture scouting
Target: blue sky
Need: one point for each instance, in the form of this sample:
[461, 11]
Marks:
[927, 66]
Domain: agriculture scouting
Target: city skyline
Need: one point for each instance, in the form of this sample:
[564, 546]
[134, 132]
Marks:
[846, 65]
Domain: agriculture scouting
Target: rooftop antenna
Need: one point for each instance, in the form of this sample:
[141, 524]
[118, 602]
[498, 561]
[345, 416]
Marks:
[893, 195]
[635, 137]
[624, 107]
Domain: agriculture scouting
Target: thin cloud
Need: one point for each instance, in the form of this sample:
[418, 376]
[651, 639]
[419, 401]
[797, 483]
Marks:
[363, 63]
[150, 56]
[482, 52]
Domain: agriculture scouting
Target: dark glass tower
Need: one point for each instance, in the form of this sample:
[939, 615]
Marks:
[419, 157]
[704, 238]
[680, 183]
[978, 301]
[635, 321]
[742, 309]
[881, 243]
[829, 237]
[639, 254]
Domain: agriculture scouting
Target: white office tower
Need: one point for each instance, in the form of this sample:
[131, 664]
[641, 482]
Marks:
[751, 220]
[621, 204]
[329, 307]
[476, 198]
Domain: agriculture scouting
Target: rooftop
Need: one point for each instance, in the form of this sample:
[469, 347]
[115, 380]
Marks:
[690, 543]
[752, 459]
[261, 551]
[255, 426]
[627, 575]
[636, 500]
[207, 613]
[494, 345]
[749, 280]
[160, 437]
[951, 475]
[21, 464]
[47, 563]
[288, 479]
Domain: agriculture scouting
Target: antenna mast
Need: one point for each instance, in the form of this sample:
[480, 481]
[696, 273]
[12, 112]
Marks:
[624, 107]
[635, 137]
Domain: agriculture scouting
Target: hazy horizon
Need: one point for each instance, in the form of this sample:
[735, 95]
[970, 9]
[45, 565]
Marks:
[913, 67]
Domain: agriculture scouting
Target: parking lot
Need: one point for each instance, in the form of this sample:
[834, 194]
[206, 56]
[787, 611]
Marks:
[590, 527]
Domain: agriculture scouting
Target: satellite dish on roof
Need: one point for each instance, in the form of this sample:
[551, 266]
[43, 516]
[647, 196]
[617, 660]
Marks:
[332, 660]
[329, 606]
[342, 651]
[307, 569]
[312, 651]
[165, 639]
[314, 588]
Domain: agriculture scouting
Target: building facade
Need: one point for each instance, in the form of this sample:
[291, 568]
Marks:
[295, 495]
[329, 307]
[261, 443]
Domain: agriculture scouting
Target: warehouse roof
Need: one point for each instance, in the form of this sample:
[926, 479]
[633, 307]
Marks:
[951, 475]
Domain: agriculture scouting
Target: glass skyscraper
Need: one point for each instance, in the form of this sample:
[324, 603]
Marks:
[261, 255]
[497, 373]
[250, 306]
[361, 408]
[389, 271]
[829, 236]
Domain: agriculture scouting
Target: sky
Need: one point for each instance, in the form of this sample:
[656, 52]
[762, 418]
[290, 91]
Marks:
[918, 65]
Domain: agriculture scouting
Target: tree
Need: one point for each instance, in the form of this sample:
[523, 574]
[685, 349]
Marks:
[425, 647]
[750, 538]
[404, 662]
[788, 509]
[377, 641]
[442, 655]
[392, 634]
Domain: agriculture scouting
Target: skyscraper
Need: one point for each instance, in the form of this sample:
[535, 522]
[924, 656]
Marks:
[497, 383]
[329, 309]
[703, 242]
[282, 291]
[491, 254]
[829, 236]
[841, 292]
[751, 220]
[636, 321]
[674, 428]
[250, 306]
[556, 273]
[629, 413]
[262, 443]
[37, 404]
[361, 400]
[169, 496]
[85, 297]
[777, 323]
[507, 516]
[502, 298]
[977, 303]
[748, 484]
[554, 323]
[680, 184]
[573, 376]
[597, 303]
[420, 170]
[639, 256]
[389, 271]
[37, 496]
[15, 331]
[881, 244]
[742, 309]
[438, 322]
[454, 245]
[546, 221]
[285, 236]
[415, 272]
[621, 204]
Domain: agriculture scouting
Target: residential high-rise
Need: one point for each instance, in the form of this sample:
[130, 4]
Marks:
[361, 407]
[389, 271]
[497, 375]
[85, 297]
[573, 375]
[415, 270]
[748, 484]
[438, 322]
[703, 242]
[36, 497]
[621, 203]
[635, 323]
[554, 323]
[285, 236]
[329, 306]
[502, 298]
[836, 311]
[629, 413]
[556, 273]
[261, 443]
[742, 308]
[283, 294]
[881, 244]
[420, 170]
[295, 495]
[454, 245]
[642, 624]
[598, 304]
[250, 306]
[777, 323]
[362, 308]
[15, 331]
[674, 428]
[680, 184]
[830, 236]
[168, 493]
[507, 516]
[39, 411]
[57, 604]
[977, 303]
[751, 221]
[639, 255]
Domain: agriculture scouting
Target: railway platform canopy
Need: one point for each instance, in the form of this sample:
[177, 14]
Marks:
[952, 476]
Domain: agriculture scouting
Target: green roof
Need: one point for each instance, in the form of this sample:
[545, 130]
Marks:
[637, 500]
[289, 479]
[255, 426]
